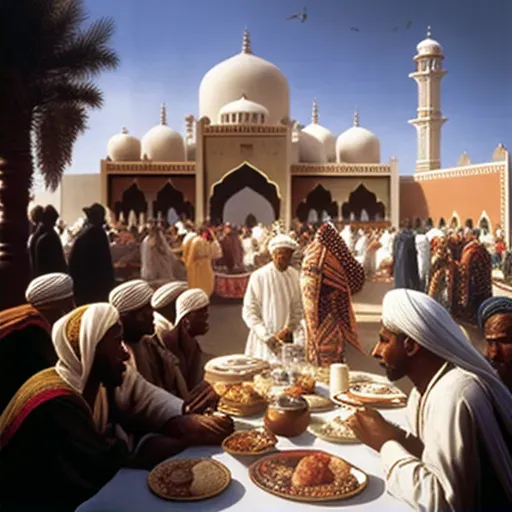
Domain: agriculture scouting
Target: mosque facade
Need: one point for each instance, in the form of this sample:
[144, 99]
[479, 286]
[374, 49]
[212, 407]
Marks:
[244, 154]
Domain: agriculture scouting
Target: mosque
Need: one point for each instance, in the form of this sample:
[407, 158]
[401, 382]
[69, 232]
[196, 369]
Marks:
[245, 156]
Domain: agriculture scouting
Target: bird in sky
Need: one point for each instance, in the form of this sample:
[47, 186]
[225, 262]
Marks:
[408, 24]
[302, 16]
[354, 29]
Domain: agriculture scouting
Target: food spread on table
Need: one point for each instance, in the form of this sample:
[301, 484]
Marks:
[233, 369]
[335, 430]
[308, 475]
[252, 442]
[319, 403]
[189, 479]
[240, 399]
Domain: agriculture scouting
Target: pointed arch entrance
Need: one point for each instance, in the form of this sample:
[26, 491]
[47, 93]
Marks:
[361, 199]
[170, 197]
[318, 203]
[231, 191]
[133, 199]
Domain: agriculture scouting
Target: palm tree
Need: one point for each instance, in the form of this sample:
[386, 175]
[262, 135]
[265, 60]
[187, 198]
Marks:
[47, 63]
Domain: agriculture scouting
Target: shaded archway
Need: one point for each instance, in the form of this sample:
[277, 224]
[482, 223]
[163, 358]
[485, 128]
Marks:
[417, 223]
[484, 223]
[362, 199]
[245, 176]
[170, 197]
[132, 199]
[442, 223]
[319, 200]
[430, 223]
[235, 209]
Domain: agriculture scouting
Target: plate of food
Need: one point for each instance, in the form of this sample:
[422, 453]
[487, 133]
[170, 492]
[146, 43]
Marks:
[319, 403]
[241, 400]
[189, 479]
[334, 430]
[308, 475]
[373, 393]
[250, 442]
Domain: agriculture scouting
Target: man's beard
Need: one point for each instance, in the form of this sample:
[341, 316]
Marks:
[392, 373]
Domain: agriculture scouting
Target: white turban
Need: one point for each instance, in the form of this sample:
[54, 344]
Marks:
[131, 296]
[424, 320]
[282, 242]
[76, 355]
[49, 288]
[167, 293]
[189, 301]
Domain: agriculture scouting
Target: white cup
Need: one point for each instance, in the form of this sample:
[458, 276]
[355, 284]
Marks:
[339, 379]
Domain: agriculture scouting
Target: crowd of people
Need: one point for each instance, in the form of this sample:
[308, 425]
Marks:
[98, 374]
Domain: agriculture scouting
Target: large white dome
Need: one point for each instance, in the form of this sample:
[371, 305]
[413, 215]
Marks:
[311, 150]
[248, 74]
[163, 144]
[322, 134]
[358, 145]
[123, 147]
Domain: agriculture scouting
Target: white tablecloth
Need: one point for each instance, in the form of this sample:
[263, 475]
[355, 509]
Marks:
[128, 490]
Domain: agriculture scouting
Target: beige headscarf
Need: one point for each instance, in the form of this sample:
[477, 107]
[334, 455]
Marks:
[189, 301]
[49, 288]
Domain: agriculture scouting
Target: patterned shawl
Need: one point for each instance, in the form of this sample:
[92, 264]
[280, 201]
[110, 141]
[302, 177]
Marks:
[330, 276]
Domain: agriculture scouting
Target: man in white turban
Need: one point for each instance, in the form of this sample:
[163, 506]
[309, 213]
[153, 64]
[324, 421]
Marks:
[163, 302]
[272, 308]
[61, 419]
[457, 455]
[52, 295]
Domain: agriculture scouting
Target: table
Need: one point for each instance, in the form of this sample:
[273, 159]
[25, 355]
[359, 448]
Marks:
[128, 490]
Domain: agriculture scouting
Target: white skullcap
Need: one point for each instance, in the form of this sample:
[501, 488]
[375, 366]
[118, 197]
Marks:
[131, 295]
[282, 242]
[167, 293]
[49, 288]
[190, 300]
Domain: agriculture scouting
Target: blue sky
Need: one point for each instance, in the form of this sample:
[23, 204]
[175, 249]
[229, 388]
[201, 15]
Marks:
[166, 46]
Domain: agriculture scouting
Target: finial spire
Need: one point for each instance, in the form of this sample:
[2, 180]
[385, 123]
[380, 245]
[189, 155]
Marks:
[124, 131]
[163, 114]
[356, 117]
[429, 31]
[314, 115]
[246, 43]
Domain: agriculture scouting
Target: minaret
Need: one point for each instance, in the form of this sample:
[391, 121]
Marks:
[246, 42]
[428, 75]
[314, 113]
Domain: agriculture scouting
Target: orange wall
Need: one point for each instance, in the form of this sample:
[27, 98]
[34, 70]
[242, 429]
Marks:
[469, 196]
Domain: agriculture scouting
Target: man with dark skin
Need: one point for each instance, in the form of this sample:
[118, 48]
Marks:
[457, 456]
[495, 321]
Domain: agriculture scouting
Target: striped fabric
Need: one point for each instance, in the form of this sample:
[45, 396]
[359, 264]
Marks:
[20, 317]
[40, 388]
[330, 275]
[167, 293]
[131, 296]
[189, 301]
[49, 288]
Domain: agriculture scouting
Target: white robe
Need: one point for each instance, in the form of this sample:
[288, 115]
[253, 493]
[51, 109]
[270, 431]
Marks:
[272, 302]
[446, 478]
[383, 253]
[424, 260]
[361, 250]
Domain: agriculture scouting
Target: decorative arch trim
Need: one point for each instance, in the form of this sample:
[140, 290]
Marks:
[456, 216]
[244, 176]
[485, 216]
[318, 199]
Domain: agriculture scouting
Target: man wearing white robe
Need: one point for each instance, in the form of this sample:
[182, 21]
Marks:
[272, 308]
[457, 454]
[424, 260]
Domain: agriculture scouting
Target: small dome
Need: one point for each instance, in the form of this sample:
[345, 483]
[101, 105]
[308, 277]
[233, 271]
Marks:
[243, 111]
[429, 46]
[358, 145]
[163, 144]
[322, 134]
[123, 147]
[311, 150]
[261, 80]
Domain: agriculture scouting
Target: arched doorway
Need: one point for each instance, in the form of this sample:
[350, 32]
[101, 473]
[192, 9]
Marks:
[442, 223]
[318, 204]
[484, 223]
[455, 221]
[361, 199]
[170, 197]
[133, 199]
[245, 176]
[235, 209]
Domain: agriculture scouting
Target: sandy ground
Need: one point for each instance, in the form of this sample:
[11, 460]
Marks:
[228, 332]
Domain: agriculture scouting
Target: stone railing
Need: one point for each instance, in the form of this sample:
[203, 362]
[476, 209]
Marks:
[335, 169]
[147, 167]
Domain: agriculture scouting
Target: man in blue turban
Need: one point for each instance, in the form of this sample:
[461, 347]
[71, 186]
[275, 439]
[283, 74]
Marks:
[495, 322]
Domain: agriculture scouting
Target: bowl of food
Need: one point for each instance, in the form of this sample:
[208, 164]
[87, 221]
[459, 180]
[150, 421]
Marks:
[258, 441]
[242, 400]
[287, 416]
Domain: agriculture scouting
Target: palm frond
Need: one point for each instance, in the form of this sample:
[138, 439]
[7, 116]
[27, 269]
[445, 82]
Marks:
[88, 54]
[59, 92]
[56, 129]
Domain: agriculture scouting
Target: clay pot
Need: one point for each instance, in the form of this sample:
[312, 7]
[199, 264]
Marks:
[287, 416]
